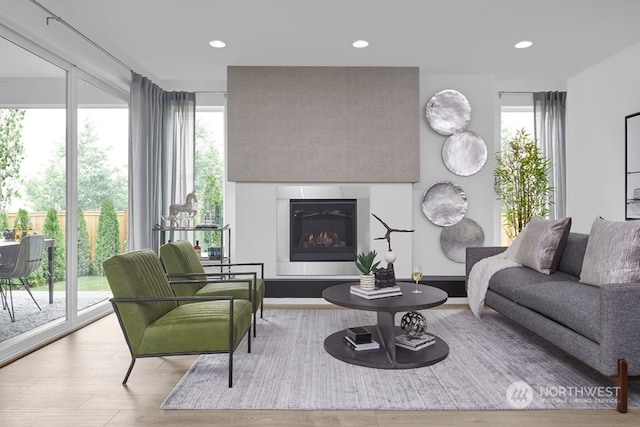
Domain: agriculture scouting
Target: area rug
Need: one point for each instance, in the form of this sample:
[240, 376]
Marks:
[493, 364]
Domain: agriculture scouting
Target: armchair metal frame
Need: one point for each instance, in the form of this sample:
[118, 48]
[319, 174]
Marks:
[134, 356]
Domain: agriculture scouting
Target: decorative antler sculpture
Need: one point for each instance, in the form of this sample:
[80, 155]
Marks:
[390, 257]
[390, 230]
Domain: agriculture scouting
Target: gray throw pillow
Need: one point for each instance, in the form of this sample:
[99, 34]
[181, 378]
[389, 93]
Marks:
[542, 242]
[613, 253]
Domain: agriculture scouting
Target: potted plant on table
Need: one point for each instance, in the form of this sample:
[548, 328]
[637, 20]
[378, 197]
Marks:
[366, 263]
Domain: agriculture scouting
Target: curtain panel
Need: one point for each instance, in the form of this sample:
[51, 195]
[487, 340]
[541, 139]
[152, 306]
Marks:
[549, 123]
[161, 156]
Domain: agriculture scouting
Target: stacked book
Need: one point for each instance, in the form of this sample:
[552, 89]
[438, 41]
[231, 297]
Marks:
[359, 338]
[376, 292]
[415, 344]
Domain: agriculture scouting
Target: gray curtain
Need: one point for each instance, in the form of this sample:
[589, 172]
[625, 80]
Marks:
[549, 119]
[161, 156]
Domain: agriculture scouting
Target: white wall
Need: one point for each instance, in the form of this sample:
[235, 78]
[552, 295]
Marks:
[598, 100]
[399, 205]
[254, 230]
[480, 92]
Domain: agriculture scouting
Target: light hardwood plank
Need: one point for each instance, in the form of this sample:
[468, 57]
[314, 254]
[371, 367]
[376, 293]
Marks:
[77, 381]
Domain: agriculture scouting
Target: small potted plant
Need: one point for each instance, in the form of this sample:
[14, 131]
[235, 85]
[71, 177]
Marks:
[366, 263]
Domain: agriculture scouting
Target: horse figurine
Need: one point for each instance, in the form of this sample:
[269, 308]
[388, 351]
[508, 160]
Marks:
[187, 207]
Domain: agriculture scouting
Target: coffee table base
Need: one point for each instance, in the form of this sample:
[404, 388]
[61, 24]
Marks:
[382, 358]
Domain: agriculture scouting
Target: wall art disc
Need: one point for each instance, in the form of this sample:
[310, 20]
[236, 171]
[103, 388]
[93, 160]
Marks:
[448, 112]
[444, 203]
[464, 153]
[455, 240]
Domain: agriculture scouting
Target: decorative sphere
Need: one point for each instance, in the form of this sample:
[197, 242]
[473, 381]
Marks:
[413, 324]
[390, 257]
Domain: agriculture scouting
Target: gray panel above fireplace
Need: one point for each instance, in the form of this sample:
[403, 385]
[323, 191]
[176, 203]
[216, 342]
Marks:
[326, 124]
[284, 266]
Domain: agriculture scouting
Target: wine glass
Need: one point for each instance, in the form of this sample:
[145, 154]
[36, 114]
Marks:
[416, 274]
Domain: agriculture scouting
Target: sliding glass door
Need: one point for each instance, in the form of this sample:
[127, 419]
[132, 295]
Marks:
[63, 162]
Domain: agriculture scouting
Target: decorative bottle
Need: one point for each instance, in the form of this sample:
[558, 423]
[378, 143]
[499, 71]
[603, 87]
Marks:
[198, 249]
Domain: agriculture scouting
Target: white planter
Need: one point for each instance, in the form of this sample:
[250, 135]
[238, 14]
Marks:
[367, 281]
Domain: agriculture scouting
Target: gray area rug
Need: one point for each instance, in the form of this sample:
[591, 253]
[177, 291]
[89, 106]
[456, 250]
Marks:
[488, 362]
[29, 317]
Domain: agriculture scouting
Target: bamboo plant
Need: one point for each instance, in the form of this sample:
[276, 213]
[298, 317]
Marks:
[522, 182]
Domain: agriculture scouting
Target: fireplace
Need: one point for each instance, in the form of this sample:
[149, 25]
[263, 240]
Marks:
[342, 197]
[323, 230]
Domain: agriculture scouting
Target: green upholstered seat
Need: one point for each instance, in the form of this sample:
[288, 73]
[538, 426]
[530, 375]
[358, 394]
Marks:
[182, 264]
[154, 321]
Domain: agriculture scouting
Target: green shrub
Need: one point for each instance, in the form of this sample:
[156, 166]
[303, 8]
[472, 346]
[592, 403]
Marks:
[85, 266]
[108, 241]
[52, 230]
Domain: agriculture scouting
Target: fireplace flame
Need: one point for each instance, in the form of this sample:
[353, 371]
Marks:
[323, 238]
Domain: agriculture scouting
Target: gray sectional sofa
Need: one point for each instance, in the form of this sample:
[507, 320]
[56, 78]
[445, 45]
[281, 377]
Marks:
[599, 325]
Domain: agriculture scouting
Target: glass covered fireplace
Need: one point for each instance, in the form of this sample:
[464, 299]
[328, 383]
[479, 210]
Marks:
[323, 229]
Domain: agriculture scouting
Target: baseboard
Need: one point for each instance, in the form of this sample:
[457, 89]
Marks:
[301, 288]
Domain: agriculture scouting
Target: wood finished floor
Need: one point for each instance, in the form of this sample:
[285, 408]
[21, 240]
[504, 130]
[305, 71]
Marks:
[76, 381]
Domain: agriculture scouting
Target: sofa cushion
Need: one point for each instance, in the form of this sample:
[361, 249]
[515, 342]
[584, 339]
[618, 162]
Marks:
[573, 253]
[541, 243]
[570, 303]
[613, 253]
[507, 282]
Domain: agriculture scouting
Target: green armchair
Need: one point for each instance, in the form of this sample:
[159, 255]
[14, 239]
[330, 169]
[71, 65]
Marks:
[155, 322]
[188, 277]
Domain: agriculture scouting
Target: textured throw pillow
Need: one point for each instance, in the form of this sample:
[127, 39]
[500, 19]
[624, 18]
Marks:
[542, 242]
[613, 253]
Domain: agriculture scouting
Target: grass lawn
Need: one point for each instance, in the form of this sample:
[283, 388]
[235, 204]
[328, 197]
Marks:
[85, 283]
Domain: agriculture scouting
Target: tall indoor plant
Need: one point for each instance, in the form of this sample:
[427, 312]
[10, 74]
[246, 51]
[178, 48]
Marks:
[522, 182]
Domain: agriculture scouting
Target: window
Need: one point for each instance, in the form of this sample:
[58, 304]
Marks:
[512, 119]
[210, 171]
[35, 103]
[103, 188]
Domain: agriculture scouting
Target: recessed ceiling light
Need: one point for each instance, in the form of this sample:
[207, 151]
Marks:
[360, 44]
[217, 43]
[523, 44]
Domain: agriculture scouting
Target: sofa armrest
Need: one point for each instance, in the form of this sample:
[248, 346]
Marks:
[476, 253]
[620, 324]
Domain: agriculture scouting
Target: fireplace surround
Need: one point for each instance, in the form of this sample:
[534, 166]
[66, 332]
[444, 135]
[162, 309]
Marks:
[320, 228]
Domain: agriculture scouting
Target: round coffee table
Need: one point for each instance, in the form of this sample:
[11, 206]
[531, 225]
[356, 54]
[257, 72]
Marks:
[388, 356]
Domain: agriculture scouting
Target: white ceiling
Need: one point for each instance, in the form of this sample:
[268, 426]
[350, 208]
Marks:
[168, 39]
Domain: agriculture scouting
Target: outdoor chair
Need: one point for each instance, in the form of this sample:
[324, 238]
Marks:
[28, 259]
[155, 322]
[187, 275]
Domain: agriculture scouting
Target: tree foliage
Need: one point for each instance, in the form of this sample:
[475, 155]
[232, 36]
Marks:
[53, 230]
[22, 219]
[108, 243]
[85, 267]
[522, 182]
[209, 177]
[4, 221]
[98, 179]
[11, 153]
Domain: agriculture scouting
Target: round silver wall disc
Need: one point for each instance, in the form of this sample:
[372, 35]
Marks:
[455, 240]
[444, 203]
[448, 112]
[464, 153]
